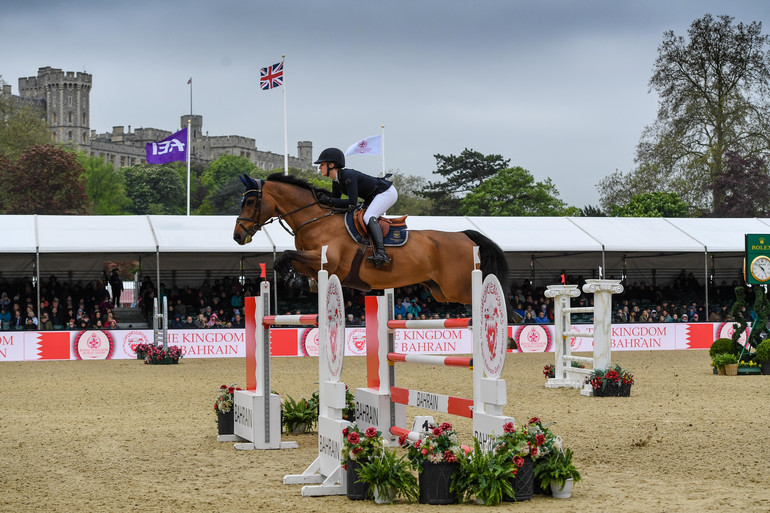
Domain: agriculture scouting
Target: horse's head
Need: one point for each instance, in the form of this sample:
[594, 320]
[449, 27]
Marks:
[252, 215]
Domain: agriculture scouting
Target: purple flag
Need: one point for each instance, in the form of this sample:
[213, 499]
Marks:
[173, 147]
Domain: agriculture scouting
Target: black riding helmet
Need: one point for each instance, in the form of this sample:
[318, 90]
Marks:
[334, 155]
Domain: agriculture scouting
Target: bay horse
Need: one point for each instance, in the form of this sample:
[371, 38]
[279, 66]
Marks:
[440, 260]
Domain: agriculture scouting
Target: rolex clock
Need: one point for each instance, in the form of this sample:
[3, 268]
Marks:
[760, 268]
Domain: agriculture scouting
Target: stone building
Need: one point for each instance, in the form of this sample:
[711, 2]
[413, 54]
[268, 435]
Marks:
[64, 101]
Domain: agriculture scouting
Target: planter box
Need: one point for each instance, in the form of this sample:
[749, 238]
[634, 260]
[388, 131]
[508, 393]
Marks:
[749, 371]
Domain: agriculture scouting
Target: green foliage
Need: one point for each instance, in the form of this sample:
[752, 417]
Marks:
[298, 412]
[487, 475]
[744, 188]
[387, 473]
[514, 192]
[21, 126]
[763, 351]
[759, 329]
[557, 468]
[463, 173]
[45, 180]
[155, 189]
[652, 204]
[722, 346]
[722, 359]
[713, 89]
[410, 201]
[104, 186]
[226, 168]
[737, 314]
[592, 211]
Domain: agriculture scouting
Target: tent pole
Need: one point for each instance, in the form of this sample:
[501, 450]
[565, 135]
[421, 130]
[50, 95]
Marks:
[706, 284]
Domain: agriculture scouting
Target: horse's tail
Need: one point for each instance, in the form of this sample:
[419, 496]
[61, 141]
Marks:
[493, 261]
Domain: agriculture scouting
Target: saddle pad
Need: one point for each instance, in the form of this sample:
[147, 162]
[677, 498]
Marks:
[397, 236]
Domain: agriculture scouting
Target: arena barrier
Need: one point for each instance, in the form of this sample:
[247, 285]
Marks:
[383, 405]
[565, 375]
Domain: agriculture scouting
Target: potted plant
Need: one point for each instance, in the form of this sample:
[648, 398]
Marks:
[223, 406]
[549, 371]
[612, 382]
[721, 346]
[558, 473]
[730, 362]
[359, 448]
[748, 365]
[156, 355]
[434, 456]
[141, 350]
[763, 356]
[387, 476]
[485, 475]
[524, 445]
[298, 416]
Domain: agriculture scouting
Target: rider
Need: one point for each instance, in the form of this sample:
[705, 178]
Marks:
[378, 194]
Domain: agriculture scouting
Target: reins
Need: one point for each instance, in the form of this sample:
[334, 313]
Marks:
[256, 225]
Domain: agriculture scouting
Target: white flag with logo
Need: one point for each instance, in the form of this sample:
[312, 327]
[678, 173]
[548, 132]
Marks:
[369, 146]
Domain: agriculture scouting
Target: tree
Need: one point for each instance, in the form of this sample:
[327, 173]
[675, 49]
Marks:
[224, 169]
[514, 192]
[409, 199]
[463, 173]
[21, 126]
[104, 186]
[45, 180]
[745, 188]
[155, 189]
[713, 99]
[652, 204]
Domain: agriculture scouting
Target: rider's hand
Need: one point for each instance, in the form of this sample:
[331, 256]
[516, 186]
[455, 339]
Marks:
[352, 208]
[323, 197]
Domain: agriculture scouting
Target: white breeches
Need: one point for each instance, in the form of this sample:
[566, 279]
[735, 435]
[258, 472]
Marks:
[380, 204]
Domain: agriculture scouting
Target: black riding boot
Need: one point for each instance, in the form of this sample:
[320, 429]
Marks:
[379, 257]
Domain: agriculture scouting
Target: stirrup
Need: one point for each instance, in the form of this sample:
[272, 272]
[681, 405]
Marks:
[379, 259]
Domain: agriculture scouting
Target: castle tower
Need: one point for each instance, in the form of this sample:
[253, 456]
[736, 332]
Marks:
[305, 153]
[67, 100]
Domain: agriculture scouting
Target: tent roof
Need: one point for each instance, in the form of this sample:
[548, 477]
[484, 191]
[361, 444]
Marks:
[213, 234]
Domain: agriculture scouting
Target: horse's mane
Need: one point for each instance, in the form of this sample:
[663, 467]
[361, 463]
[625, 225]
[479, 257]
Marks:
[292, 180]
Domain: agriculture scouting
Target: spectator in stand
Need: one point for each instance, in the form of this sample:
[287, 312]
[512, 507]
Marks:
[45, 322]
[684, 318]
[414, 309]
[111, 324]
[201, 321]
[528, 318]
[30, 324]
[237, 321]
[520, 310]
[399, 309]
[176, 323]
[213, 321]
[541, 318]
[71, 325]
[5, 315]
[189, 323]
[665, 317]
[350, 320]
[695, 317]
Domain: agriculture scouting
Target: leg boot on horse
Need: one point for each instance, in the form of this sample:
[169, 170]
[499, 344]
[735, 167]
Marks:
[379, 257]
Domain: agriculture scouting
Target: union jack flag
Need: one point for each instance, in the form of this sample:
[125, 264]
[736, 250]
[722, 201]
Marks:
[271, 76]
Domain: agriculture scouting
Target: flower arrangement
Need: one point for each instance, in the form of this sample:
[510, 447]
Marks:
[556, 469]
[532, 439]
[439, 444]
[610, 381]
[141, 349]
[748, 363]
[361, 446]
[224, 400]
[156, 354]
[549, 371]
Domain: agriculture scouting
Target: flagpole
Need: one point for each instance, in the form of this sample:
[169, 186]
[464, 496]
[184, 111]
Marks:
[190, 82]
[189, 136]
[285, 131]
[382, 127]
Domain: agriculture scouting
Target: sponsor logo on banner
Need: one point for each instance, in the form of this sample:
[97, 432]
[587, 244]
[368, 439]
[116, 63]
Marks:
[726, 330]
[493, 328]
[356, 342]
[133, 339]
[533, 338]
[434, 341]
[334, 350]
[310, 342]
[93, 345]
[11, 346]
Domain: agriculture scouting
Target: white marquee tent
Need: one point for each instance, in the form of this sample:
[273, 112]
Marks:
[185, 248]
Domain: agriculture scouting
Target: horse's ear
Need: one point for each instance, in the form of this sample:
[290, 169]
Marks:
[248, 181]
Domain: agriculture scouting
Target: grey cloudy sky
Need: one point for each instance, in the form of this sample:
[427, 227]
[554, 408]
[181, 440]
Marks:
[558, 87]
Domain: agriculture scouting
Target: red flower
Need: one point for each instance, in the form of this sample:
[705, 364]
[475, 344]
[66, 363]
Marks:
[353, 438]
[508, 427]
[417, 444]
[437, 431]
[402, 440]
[371, 432]
[518, 461]
[534, 420]
[533, 452]
[223, 386]
[539, 439]
[446, 426]
[424, 451]
[356, 450]
[345, 432]
[449, 456]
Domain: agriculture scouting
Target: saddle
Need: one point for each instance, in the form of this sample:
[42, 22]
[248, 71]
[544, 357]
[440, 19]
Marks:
[394, 230]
